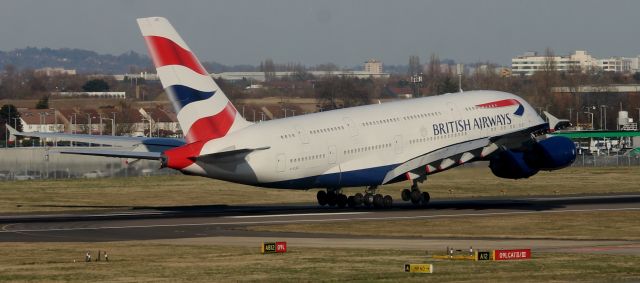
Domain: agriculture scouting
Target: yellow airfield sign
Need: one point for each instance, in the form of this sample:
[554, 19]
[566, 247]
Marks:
[419, 268]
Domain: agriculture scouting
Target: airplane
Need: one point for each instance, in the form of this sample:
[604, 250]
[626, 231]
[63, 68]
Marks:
[366, 146]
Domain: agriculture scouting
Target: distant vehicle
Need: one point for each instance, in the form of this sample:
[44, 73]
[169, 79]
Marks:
[24, 177]
[94, 174]
[366, 146]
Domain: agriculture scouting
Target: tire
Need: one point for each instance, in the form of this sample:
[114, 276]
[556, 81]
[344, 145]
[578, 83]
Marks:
[351, 202]
[341, 201]
[358, 199]
[406, 195]
[425, 198]
[368, 200]
[387, 201]
[378, 201]
[332, 199]
[416, 197]
[322, 198]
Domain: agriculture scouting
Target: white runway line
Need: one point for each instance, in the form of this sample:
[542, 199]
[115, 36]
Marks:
[292, 214]
[318, 220]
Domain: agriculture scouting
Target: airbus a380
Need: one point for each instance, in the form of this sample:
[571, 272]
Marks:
[366, 146]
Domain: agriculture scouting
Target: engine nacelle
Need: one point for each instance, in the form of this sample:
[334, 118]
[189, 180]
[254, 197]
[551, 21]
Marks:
[549, 154]
[510, 164]
[552, 153]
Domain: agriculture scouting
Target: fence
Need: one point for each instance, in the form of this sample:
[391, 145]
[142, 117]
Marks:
[27, 163]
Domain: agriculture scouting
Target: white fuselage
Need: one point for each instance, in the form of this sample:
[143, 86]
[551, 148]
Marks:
[357, 146]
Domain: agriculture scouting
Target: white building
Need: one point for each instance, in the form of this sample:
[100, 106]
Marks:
[373, 66]
[531, 62]
[41, 120]
[48, 71]
[96, 94]
[259, 76]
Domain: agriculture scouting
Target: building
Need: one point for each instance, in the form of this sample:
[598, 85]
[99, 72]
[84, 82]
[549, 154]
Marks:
[41, 120]
[373, 66]
[259, 76]
[54, 71]
[96, 94]
[531, 62]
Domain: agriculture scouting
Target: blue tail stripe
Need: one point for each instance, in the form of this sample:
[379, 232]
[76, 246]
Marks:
[520, 110]
[181, 95]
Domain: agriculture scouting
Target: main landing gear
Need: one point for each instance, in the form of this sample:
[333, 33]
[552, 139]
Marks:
[334, 197]
[416, 197]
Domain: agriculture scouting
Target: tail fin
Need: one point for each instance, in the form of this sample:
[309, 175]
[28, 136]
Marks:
[204, 112]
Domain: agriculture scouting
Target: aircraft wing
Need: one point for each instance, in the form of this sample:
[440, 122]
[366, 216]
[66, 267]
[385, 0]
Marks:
[453, 155]
[104, 140]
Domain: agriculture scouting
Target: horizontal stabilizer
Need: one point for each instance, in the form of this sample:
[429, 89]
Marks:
[113, 153]
[231, 152]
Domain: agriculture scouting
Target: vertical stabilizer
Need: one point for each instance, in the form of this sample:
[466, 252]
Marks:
[204, 112]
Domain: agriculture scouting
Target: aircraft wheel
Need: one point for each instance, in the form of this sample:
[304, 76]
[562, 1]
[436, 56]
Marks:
[387, 201]
[358, 199]
[368, 200]
[351, 202]
[378, 201]
[332, 199]
[322, 197]
[425, 198]
[341, 200]
[416, 197]
[406, 194]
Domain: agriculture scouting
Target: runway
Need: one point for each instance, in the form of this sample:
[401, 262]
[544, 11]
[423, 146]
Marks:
[223, 224]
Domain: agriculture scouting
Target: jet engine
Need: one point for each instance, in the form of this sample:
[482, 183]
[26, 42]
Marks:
[549, 154]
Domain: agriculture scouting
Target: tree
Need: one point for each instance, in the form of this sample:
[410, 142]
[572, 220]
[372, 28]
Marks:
[9, 115]
[414, 65]
[269, 69]
[95, 85]
[338, 92]
[43, 103]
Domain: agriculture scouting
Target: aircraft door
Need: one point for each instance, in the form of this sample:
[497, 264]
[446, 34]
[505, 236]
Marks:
[332, 154]
[281, 164]
[397, 144]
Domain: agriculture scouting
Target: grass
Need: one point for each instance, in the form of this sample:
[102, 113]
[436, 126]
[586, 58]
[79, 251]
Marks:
[178, 190]
[598, 225]
[152, 262]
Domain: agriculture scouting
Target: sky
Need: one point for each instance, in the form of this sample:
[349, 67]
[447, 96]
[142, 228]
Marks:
[343, 32]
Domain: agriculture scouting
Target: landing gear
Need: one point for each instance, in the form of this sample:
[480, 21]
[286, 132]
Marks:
[414, 195]
[334, 197]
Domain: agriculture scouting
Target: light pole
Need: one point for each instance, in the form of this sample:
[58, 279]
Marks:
[15, 126]
[89, 121]
[570, 109]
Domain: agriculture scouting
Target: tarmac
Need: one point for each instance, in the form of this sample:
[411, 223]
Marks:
[224, 225]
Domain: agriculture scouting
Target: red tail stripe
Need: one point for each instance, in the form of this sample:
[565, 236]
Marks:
[500, 103]
[212, 127]
[166, 52]
[183, 156]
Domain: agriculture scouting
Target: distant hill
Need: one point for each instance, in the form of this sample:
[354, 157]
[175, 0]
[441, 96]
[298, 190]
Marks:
[89, 62]
[84, 61]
